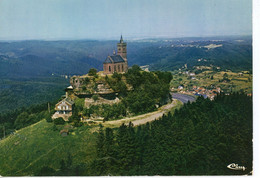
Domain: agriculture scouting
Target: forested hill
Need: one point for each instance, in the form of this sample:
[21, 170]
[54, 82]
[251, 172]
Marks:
[201, 138]
[41, 58]
[225, 54]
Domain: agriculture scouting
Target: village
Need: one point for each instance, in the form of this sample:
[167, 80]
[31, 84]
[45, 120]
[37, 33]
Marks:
[209, 81]
[199, 91]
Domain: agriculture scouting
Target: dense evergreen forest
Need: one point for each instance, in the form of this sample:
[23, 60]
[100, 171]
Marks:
[201, 138]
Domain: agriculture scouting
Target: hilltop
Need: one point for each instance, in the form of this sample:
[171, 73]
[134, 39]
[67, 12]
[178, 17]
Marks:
[107, 97]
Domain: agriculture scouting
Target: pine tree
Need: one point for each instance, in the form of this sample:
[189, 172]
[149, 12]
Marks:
[100, 142]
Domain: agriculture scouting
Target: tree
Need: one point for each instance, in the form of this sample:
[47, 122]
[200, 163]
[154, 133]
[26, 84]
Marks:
[92, 72]
[86, 80]
[140, 102]
[22, 120]
[49, 119]
[95, 97]
[225, 76]
[45, 171]
[69, 161]
[100, 142]
[59, 121]
[214, 133]
[84, 88]
[117, 76]
[109, 142]
[63, 166]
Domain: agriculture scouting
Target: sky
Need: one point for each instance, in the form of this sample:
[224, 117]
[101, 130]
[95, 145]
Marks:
[108, 19]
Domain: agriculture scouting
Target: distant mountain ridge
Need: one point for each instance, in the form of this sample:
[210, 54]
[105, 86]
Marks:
[41, 58]
[233, 55]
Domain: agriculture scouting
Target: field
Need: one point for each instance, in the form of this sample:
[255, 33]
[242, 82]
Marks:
[207, 79]
[38, 145]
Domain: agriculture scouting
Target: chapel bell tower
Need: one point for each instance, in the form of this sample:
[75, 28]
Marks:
[121, 49]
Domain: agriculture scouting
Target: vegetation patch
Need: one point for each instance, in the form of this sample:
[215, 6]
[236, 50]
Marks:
[38, 146]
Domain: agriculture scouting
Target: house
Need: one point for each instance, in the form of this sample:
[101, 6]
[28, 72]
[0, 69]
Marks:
[240, 74]
[63, 109]
[117, 62]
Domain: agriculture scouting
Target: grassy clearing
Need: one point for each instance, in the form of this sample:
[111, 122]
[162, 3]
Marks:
[39, 145]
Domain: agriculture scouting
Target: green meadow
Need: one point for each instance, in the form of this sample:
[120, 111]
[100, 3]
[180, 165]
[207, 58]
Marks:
[39, 145]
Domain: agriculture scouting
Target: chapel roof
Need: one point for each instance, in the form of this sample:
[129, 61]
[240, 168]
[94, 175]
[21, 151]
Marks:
[114, 59]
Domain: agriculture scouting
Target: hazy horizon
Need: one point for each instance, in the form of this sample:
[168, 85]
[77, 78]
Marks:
[107, 20]
[129, 38]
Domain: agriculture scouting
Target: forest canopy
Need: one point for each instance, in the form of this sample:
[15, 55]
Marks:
[201, 138]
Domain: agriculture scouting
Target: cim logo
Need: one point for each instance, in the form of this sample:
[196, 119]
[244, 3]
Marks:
[234, 166]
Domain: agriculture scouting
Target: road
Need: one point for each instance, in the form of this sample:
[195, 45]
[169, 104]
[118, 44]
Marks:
[183, 98]
[142, 119]
[148, 117]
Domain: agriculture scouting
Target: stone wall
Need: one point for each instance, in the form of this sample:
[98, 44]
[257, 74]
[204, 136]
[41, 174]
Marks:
[110, 68]
[76, 81]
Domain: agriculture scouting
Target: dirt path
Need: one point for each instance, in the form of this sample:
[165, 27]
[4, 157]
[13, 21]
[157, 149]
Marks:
[144, 118]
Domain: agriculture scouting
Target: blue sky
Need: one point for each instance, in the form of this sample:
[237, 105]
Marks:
[107, 19]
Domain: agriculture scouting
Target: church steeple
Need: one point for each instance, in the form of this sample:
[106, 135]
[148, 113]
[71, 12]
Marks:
[121, 39]
[121, 48]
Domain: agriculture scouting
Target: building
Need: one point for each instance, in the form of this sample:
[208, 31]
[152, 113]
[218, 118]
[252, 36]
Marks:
[117, 62]
[63, 109]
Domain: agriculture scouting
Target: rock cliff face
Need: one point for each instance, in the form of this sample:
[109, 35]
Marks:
[89, 85]
[101, 100]
[76, 81]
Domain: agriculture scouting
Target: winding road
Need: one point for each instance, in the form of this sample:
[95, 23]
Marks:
[144, 118]
[178, 99]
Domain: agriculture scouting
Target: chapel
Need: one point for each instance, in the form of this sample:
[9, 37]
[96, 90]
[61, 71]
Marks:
[118, 61]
